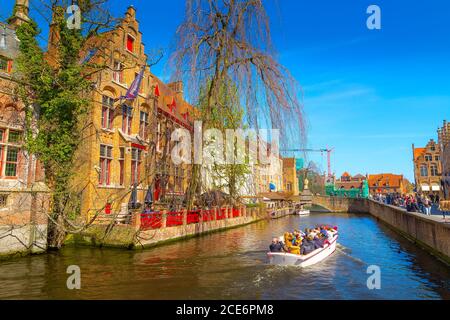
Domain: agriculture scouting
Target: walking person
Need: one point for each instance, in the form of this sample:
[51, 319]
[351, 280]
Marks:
[427, 205]
[420, 203]
[444, 207]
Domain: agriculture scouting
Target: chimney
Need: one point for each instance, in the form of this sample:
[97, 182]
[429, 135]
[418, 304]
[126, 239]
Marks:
[131, 12]
[54, 35]
[20, 13]
[177, 87]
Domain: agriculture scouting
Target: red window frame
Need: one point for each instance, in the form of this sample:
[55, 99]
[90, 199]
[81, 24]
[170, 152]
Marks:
[107, 112]
[136, 160]
[143, 124]
[16, 163]
[122, 166]
[127, 119]
[5, 147]
[2, 148]
[105, 165]
[130, 43]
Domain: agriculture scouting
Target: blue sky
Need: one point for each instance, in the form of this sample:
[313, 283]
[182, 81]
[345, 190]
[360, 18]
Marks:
[369, 94]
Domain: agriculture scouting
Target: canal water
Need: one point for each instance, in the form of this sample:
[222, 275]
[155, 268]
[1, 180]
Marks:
[233, 265]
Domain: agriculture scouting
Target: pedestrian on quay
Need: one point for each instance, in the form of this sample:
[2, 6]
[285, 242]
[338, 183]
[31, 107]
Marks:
[427, 205]
[420, 204]
[444, 208]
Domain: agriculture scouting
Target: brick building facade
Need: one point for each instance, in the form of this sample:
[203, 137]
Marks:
[386, 183]
[23, 194]
[125, 141]
[349, 182]
[290, 178]
[428, 169]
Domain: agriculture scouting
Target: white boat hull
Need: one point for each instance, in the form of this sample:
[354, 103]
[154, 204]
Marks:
[303, 212]
[289, 259]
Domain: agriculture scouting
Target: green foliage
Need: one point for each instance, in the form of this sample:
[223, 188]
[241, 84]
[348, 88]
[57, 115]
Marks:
[59, 94]
[223, 111]
[53, 87]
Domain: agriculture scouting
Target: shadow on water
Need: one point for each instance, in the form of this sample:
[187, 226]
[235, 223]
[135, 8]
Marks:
[233, 265]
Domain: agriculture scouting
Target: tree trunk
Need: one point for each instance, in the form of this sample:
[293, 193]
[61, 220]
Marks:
[56, 232]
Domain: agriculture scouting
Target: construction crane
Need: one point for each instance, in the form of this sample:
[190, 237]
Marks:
[328, 151]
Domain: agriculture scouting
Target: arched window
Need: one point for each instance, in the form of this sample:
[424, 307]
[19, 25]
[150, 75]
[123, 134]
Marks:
[107, 112]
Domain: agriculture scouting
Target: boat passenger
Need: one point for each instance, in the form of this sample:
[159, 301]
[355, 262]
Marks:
[318, 243]
[307, 246]
[313, 233]
[324, 232]
[276, 246]
[292, 249]
[297, 240]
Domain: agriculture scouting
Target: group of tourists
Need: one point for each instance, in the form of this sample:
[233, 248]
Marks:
[303, 242]
[414, 202]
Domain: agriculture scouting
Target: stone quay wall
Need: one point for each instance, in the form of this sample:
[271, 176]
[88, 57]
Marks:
[430, 233]
[133, 236]
[23, 223]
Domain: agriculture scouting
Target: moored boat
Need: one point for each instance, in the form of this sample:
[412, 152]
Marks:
[303, 212]
[289, 259]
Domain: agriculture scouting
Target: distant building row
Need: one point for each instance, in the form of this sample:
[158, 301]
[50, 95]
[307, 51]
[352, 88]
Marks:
[432, 165]
[383, 183]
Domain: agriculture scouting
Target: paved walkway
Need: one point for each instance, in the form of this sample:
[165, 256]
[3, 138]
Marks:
[436, 214]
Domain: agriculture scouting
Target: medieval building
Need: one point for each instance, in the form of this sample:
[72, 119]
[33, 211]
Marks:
[427, 169]
[23, 201]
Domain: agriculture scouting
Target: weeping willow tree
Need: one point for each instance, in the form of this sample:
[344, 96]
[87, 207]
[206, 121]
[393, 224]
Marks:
[229, 40]
[226, 177]
[56, 88]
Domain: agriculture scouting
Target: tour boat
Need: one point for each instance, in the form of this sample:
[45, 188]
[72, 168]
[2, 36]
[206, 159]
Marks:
[303, 212]
[289, 259]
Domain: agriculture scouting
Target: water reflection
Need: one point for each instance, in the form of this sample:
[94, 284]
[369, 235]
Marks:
[233, 265]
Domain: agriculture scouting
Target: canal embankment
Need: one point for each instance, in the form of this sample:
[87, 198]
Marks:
[148, 230]
[428, 232]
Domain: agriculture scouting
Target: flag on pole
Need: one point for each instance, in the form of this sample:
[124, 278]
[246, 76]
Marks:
[173, 105]
[89, 56]
[133, 90]
[157, 91]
